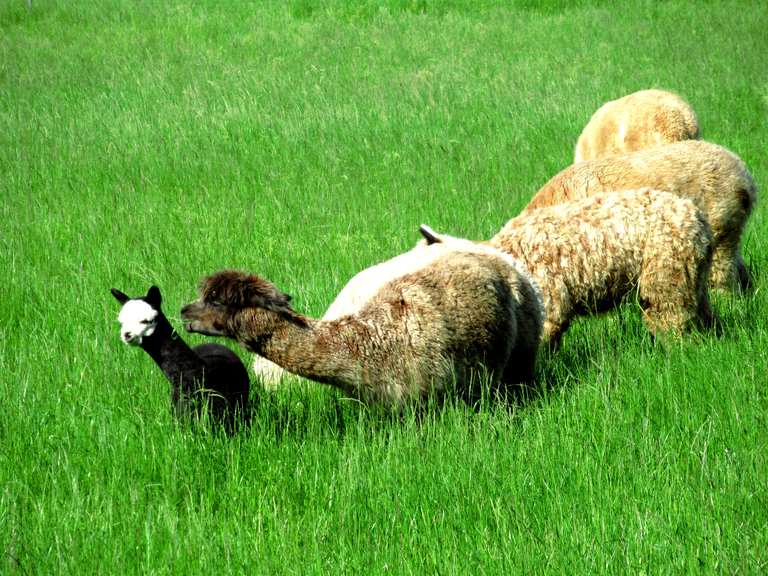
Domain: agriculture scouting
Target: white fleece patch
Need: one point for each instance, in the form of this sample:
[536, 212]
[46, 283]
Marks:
[364, 285]
[137, 321]
[464, 245]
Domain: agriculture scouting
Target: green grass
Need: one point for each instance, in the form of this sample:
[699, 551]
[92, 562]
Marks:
[145, 142]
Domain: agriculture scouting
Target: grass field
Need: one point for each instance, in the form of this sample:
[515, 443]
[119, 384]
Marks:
[148, 142]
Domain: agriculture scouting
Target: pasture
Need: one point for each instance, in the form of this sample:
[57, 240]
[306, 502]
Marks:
[153, 143]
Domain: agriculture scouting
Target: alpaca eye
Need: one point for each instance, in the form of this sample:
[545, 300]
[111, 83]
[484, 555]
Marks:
[145, 321]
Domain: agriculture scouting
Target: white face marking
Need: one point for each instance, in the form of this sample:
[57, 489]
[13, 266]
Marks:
[137, 321]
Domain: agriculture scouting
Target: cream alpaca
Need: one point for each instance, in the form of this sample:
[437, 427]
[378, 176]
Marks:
[713, 177]
[637, 121]
[587, 255]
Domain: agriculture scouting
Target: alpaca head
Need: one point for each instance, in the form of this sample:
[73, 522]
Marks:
[139, 316]
[225, 293]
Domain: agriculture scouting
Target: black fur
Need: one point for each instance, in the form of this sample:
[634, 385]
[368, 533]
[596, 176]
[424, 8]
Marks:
[207, 375]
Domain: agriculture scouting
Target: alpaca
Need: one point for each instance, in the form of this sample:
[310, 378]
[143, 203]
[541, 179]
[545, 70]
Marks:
[352, 297]
[207, 373]
[364, 285]
[637, 121]
[713, 177]
[458, 314]
[587, 255]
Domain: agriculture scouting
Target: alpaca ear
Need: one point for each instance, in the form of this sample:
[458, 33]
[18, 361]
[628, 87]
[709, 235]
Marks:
[255, 291]
[119, 296]
[153, 297]
[430, 235]
[279, 302]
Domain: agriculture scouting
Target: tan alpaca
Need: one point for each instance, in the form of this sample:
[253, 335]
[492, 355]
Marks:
[461, 313]
[713, 177]
[635, 122]
[587, 255]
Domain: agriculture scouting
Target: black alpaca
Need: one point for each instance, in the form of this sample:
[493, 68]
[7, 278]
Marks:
[208, 374]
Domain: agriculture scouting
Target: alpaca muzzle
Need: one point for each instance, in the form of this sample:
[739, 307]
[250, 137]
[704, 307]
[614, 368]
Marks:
[200, 318]
[131, 338]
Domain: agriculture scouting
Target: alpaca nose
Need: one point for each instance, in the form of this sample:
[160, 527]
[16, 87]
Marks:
[127, 336]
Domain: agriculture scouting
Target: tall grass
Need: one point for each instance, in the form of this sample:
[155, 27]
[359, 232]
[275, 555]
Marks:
[145, 142]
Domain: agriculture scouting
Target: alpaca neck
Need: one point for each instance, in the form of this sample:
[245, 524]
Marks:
[315, 349]
[182, 367]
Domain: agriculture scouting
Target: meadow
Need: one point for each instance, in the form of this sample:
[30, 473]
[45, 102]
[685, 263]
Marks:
[153, 143]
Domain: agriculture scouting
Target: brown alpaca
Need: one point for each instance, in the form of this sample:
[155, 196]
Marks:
[587, 255]
[457, 315]
[364, 285]
[713, 177]
[635, 122]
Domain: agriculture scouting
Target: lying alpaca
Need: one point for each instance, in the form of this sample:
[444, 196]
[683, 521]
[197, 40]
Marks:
[587, 255]
[714, 178]
[207, 373]
[458, 314]
[635, 122]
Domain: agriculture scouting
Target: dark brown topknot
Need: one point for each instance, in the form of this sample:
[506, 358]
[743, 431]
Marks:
[241, 290]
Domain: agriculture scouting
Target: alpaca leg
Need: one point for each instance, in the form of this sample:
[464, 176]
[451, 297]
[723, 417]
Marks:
[521, 361]
[553, 331]
[729, 272]
[724, 273]
[521, 365]
[519, 375]
[660, 317]
[557, 317]
[268, 373]
[743, 275]
[706, 317]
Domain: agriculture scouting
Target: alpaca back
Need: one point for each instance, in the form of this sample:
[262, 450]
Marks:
[600, 240]
[452, 317]
[635, 122]
[366, 283]
[356, 293]
[713, 177]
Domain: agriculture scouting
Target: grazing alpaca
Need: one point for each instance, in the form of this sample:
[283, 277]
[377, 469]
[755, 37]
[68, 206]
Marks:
[713, 177]
[637, 121]
[207, 373]
[587, 255]
[458, 314]
[364, 285]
